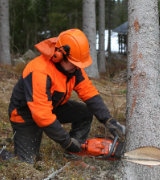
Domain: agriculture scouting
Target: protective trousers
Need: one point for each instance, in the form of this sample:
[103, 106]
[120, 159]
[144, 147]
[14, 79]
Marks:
[27, 138]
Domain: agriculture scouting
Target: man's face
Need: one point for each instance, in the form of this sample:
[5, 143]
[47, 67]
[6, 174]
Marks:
[67, 66]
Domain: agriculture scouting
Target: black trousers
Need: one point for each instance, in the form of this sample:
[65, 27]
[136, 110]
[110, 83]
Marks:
[28, 135]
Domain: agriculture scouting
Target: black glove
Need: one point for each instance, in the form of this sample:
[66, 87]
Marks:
[74, 146]
[115, 127]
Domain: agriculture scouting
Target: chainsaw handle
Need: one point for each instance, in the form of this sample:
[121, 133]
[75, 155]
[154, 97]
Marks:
[113, 145]
[114, 133]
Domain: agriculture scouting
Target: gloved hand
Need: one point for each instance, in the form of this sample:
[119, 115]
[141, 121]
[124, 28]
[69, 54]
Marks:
[74, 146]
[115, 127]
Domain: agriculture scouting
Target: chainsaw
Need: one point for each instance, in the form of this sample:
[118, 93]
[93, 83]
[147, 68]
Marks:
[113, 149]
[102, 148]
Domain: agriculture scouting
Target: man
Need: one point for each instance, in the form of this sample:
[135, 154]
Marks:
[40, 99]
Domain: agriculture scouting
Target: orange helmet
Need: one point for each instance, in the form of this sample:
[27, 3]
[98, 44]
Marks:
[79, 52]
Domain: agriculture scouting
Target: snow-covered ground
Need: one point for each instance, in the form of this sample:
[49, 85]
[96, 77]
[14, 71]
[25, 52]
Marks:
[114, 41]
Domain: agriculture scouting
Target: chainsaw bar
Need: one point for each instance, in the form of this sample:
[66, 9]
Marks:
[144, 155]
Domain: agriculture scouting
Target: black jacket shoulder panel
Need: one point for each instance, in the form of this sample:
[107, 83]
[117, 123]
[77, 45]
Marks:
[79, 76]
[28, 89]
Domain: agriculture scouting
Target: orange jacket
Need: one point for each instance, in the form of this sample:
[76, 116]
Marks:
[43, 87]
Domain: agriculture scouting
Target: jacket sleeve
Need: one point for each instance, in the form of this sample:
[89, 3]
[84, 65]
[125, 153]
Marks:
[90, 95]
[56, 132]
[84, 87]
[98, 108]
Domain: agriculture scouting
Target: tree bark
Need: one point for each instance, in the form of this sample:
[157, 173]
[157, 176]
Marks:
[89, 28]
[143, 97]
[4, 33]
[109, 8]
[101, 31]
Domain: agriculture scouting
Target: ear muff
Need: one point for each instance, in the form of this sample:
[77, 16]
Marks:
[60, 53]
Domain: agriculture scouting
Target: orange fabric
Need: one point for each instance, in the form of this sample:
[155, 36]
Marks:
[85, 89]
[41, 107]
[77, 41]
[79, 47]
[47, 47]
[15, 117]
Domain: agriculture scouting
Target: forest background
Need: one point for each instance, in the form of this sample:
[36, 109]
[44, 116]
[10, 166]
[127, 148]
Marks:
[34, 20]
[30, 22]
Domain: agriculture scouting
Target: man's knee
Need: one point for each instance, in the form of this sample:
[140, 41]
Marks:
[27, 142]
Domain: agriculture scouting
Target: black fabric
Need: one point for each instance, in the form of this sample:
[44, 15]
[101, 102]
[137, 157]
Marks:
[60, 68]
[78, 115]
[115, 127]
[6, 155]
[57, 133]
[74, 146]
[25, 113]
[98, 108]
[28, 89]
[57, 98]
[48, 86]
[66, 49]
[28, 135]
[27, 140]
[22, 93]
[18, 97]
[79, 76]
[77, 73]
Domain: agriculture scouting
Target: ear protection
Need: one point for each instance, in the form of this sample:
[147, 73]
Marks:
[60, 53]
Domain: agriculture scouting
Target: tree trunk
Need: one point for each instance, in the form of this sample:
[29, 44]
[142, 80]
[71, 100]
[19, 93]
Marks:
[89, 28]
[143, 97]
[109, 7]
[101, 51]
[4, 33]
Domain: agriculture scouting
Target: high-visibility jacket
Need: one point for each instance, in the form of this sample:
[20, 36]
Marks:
[44, 85]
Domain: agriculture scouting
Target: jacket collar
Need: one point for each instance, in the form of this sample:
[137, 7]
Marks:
[60, 68]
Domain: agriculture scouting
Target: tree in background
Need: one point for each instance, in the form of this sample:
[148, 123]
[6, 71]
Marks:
[143, 97]
[34, 20]
[4, 33]
[101, 31]
[109, 9]
[89, 27]
[118, 12]
[65, 14]
[24, 25]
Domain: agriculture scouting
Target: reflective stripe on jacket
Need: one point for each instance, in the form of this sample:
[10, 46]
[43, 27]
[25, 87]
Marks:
[42, 88]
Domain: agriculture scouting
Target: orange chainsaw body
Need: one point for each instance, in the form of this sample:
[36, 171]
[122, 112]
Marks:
[97, 147]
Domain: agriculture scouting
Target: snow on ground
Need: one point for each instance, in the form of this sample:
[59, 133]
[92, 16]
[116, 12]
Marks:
[114, 41]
